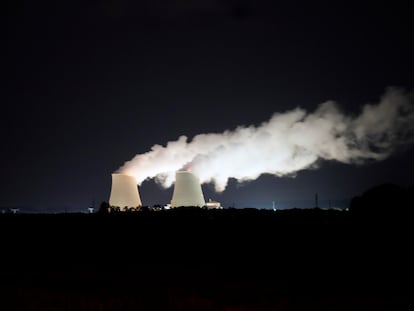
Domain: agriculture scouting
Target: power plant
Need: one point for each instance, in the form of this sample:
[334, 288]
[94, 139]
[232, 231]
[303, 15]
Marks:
[187, 190]
[124, 192]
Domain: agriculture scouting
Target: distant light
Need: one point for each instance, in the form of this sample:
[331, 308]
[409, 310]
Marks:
[213, 204]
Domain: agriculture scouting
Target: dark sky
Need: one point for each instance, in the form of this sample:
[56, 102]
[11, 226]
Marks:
[89, 84]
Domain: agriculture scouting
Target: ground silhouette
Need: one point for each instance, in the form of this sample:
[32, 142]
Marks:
[198, 259]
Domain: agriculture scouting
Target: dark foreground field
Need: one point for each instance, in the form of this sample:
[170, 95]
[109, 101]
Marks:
[205, 260]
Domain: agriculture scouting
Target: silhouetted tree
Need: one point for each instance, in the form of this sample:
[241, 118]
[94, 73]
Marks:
[104, 208]
[114, 209]
[383, 201]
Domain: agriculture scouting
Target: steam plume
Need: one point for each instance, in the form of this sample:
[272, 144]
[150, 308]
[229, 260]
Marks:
[287, 143]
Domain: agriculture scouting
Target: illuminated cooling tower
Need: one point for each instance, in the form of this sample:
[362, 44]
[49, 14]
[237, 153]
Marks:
[124, 191]
[187, 190]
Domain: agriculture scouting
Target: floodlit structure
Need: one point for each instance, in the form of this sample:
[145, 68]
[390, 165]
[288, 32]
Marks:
[187, 190]
[213, 204]
[124, 192]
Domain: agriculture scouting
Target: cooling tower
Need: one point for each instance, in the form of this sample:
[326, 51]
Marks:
[187, 190]
[124, 191]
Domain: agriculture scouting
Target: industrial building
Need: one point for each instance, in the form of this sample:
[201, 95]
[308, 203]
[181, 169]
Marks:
[187, 190]
[124, 192]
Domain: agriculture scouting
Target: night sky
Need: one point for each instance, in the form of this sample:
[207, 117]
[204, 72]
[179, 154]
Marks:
[90, 84]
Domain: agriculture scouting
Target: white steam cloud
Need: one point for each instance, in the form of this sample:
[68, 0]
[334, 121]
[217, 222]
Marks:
[287, 143]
